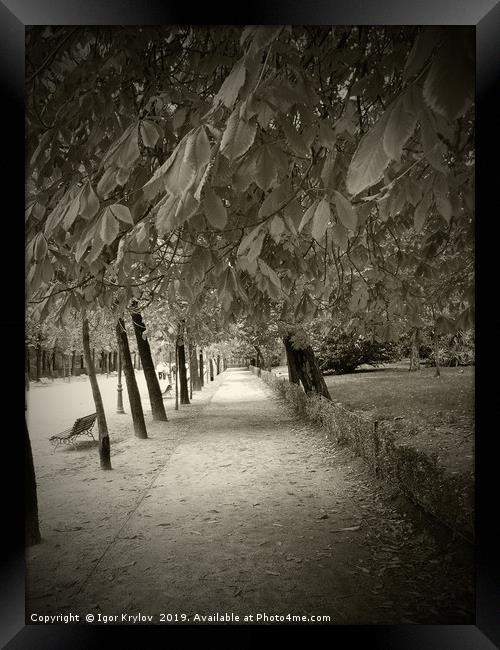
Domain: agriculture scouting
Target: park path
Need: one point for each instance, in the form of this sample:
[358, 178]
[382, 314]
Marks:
[250, 511]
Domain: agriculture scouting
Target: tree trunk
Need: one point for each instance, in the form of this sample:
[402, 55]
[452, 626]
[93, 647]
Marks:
[73, 363]
[195, 375]
[115, 361]
[154, 390]
[211, 365]
[218, 364]
[414, 351]
[302, 363]
[436, 353]
[104, 446]
[181, 355]
[202, 382]
[134, 396]
[293, 371]
[176, 366]
[31, 523]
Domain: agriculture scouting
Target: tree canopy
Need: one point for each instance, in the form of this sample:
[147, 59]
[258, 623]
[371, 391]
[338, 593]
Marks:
[255, 172]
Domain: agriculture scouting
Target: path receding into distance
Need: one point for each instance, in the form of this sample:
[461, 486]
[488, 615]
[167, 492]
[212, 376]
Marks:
[248, 511]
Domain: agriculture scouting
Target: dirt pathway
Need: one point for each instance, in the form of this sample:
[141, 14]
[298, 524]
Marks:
[243, 511]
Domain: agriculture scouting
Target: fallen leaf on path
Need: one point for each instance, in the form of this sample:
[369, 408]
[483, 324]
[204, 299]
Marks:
[124, 566]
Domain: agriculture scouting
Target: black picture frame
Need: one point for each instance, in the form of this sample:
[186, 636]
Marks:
[485, 16]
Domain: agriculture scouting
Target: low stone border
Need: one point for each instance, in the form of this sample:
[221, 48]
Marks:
[448, 497]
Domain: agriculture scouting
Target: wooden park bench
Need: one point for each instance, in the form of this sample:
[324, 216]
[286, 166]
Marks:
[82, 426]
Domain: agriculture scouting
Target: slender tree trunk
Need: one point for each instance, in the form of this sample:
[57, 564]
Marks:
[181, 355]
[436, 353]
[293, 372]
[73, 363]
[202, 382]
[115, 360]
[218, 364]
[132, 390]
[193, 363]
[154, 390]
[414, 351]
[31, 526]
[82, 365]
[211, 365]
[303, 362]
[176, 377]
[54, 367]
[104, 445]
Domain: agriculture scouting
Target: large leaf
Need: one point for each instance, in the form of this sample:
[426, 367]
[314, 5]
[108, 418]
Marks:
[422, 211]
[228, 92]
[238, 136]
[449, 85]
[273, 201]
[89, 202]
[400, 125]
[322, 215]
[308, 215]
[214, 209]
[149, 133]
[422, 49]
[121, 212]
[108, 227]
[370, 159]
[346, 211]
[266, 172]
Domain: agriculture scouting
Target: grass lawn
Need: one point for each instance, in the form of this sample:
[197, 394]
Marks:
[435, 414]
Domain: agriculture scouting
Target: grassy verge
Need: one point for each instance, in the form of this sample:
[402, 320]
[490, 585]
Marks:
[418, 473]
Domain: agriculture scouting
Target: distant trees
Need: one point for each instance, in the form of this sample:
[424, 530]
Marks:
[342, 351]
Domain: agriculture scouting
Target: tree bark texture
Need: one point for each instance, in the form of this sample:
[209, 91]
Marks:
[181, 355]
[154, 390]
[202, 381]
[134, 396]
[211, 365]
[414, 351]
[302, 363]
[104, 444]
[195, 375]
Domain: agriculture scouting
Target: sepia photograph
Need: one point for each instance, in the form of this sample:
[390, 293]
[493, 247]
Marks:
[250, 342]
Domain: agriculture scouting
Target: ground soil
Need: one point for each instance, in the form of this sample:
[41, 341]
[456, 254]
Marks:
[232, 506]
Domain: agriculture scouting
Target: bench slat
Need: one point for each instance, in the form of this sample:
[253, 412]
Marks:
[81, 425]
